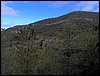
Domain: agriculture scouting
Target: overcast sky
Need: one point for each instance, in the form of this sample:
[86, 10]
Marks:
[24, 12]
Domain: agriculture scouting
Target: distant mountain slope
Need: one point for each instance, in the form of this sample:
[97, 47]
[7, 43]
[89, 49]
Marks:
[65, 45]
[76, 14]
[73, 15]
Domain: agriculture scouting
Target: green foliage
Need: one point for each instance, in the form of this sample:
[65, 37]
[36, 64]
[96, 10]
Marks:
[66, 45]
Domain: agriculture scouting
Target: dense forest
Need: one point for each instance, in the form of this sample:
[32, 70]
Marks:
[65, 45]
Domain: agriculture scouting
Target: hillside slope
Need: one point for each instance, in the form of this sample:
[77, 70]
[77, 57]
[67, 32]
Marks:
[65, 45]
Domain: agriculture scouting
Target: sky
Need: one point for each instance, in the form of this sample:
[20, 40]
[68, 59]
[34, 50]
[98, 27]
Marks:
[25, 12]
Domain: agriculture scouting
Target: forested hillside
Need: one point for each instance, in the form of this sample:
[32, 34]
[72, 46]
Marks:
[65, 45]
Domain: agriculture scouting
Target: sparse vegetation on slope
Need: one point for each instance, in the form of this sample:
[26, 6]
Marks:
[70, 47]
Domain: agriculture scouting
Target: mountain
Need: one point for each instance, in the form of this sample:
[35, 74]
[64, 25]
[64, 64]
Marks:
[65, 45]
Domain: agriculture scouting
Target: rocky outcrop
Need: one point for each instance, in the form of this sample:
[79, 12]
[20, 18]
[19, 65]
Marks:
[45, 42]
